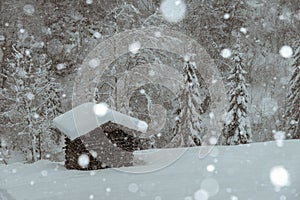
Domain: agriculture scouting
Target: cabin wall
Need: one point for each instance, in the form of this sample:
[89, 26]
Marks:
[101, 151]
[110, 145]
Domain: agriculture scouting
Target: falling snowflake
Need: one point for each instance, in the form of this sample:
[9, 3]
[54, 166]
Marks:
[44, 173]
[213, 140]
[95, 62]
[151, 73]
[3, 142]
[279, 136]
[279, 177]
[28, 9]
[91, 196]
[210, 168]
[60, 66]
[89, 1]
[244, 30]
[2, 37]
[201, 195]
[30, 96]
[269, 106]
[173, 10]
[31, 183]
[232, 197]
[83, 160]
[36, 116]
[214, 81]
[92, 173]
[187, 58]
[157, 34]
[211, 186]
[134, 47]
[142, 91]
[22, 30]
[97, 35]
[108, 189]
[286, 51]
[101, 109]
[27, 52]
[226, 53]
[133, 187]
[211, 115]
[226, 16]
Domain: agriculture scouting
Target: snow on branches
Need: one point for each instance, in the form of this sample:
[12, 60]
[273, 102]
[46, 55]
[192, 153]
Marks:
[32, 99]
[188, 128]
[293, 110]
[237, 125]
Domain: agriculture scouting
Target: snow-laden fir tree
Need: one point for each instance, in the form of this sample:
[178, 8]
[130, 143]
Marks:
[293, 111]
[32, 100]
[237, 125]
[188, 128]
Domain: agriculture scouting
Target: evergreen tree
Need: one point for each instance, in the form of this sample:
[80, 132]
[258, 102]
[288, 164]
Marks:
[188, 128]
[32, 97]
[293, 111]
[237, 125]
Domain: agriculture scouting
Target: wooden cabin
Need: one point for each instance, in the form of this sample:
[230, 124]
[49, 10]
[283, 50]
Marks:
[105, 141]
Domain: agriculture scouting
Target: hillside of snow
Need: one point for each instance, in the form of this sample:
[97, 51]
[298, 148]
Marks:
[260, 171]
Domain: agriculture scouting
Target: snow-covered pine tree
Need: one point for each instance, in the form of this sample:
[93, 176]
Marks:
[33, 99]
[49, 141]
[293, 110]
[188, 128]
[237, 125]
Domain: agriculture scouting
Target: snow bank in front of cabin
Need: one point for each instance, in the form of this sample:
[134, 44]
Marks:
[250, 172]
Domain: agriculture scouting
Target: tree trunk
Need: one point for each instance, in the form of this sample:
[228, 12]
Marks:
[40, 146]
[33, 145]
[116, 94]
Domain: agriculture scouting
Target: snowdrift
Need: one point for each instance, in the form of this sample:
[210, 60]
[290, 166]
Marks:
[250, 172]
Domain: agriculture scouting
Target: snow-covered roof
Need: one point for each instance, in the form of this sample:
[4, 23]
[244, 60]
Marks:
[86, 117]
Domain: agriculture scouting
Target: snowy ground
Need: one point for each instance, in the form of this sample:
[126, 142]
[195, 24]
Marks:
[262, 171]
